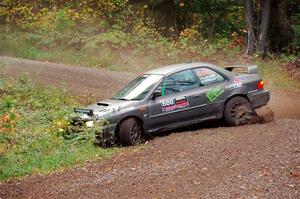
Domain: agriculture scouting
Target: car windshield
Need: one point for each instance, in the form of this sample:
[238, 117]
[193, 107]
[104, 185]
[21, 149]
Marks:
[138, 88]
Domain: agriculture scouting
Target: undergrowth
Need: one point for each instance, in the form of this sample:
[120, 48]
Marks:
[276, 78]
[118, 36]
[31, 120]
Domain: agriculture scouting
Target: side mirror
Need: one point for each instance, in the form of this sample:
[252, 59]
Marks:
[156, 93]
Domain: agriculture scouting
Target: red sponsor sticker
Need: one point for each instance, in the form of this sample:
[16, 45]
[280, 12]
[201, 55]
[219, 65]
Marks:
[174, 104]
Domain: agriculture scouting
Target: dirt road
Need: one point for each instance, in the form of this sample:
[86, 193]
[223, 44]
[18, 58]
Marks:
[84, 82]
[252, 161]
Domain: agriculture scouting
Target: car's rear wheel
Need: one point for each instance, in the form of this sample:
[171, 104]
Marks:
[238, 111]
[130, 132]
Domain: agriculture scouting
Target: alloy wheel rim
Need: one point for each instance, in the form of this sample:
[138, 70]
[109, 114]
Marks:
[135, 133]
[238, 112]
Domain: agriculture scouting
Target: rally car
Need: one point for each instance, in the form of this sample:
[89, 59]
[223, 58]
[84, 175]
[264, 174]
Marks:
[176, 96]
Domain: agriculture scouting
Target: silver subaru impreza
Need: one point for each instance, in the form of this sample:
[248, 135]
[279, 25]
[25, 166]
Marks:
[179, 95]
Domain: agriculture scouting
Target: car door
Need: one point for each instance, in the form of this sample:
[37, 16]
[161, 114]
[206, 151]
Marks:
[212, 85]
[176, 105]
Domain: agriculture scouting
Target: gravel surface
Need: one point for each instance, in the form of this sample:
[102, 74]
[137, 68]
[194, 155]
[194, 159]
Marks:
[251, 161]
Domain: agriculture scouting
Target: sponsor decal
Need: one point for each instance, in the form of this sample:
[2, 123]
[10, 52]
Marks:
[208, 78]
[213, 94]
[237, 83]
[234, 85]
[174, 104]
[239, 79]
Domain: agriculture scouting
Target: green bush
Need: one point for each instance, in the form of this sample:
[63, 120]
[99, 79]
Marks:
[31, 135]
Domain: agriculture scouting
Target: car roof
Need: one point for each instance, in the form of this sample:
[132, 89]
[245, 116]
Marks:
[166, 70]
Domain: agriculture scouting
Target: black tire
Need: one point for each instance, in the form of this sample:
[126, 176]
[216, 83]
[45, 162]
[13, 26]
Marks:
[237, 111]
[130, 132]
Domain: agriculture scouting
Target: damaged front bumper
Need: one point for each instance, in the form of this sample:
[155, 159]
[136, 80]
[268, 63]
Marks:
[104, 131]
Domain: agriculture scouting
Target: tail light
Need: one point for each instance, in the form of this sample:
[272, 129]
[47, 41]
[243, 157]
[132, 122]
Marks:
[260, 85]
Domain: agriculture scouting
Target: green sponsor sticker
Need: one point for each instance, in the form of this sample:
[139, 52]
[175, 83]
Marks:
[213, 94]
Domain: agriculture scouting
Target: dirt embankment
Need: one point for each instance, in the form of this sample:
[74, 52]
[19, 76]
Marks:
[251, 161]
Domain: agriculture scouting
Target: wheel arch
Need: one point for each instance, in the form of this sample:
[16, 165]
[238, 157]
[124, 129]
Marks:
[125, 118]
[236, 95]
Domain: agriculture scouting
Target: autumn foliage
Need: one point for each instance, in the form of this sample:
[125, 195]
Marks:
[8, 121]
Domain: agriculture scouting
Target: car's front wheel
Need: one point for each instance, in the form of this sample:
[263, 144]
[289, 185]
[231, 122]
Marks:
[130, 132]
[237, 111]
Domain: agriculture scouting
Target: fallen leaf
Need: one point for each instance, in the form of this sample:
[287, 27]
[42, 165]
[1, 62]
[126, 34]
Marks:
[295, 174]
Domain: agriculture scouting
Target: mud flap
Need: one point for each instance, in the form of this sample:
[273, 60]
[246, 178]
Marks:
[252, 117]
[249, 116]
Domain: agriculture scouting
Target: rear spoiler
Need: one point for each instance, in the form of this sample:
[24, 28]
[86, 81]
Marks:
[89, 112]
[248, 69]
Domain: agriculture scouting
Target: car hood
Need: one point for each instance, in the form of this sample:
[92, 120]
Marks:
[106, 107]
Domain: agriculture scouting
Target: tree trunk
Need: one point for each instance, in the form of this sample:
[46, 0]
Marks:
[250, 32]
[280, 32]
[168, 17]
[263, 30]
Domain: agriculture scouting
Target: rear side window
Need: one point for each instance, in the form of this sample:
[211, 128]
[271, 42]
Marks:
[178, 82]
[208, 76]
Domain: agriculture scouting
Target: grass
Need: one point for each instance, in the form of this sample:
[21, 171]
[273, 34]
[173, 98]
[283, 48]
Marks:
[30, 140]
[276, 77]
[44, 153]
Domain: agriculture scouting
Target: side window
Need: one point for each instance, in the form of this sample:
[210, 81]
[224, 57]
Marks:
[208, 76]
[178, 82]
